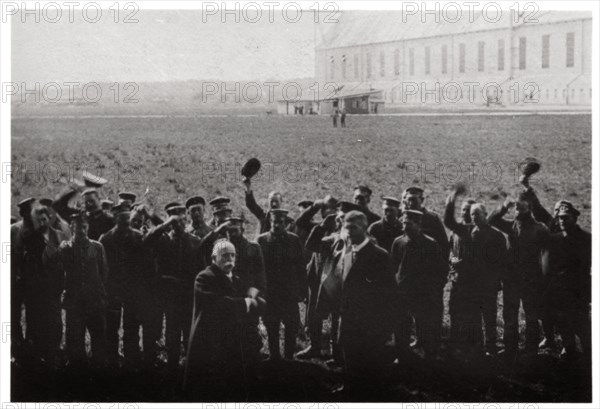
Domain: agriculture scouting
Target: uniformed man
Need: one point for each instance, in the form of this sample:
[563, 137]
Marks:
[285, 272]
[86, 270]
[195, 208]
[431, 223]
[458, 250]
[420, 268]
[99, 221]
[250, 269]
[304, 231]
[324, 281]
[362, 197]
[305, 222]
[56, 222]
[107, 205]
[179, 258]
[17, 230]
[127, 198]
[567, 289]
[42, 283]
[551, 221]
[217, 204]
[483, 260]
[386, 230]
[143, 218]
[221, 221]
[523, 280]
[275, 201]
[125, 255]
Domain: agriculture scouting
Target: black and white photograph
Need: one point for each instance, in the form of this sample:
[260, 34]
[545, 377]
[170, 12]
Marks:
[316, 204]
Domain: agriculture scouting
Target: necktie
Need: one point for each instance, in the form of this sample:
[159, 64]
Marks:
[349, 258]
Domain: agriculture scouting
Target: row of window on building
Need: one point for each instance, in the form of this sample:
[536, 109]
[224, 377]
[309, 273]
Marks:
[544, 95]
[545, 60]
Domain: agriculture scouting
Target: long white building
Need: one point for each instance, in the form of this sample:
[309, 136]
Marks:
[541, 58]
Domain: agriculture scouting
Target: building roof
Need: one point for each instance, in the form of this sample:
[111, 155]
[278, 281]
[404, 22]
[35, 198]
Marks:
[360, 27]
[328, 93]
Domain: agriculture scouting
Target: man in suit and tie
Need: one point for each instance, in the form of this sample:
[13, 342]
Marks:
[365, 292]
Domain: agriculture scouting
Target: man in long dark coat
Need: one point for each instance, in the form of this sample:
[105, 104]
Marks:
[215, 365]
[366, 286]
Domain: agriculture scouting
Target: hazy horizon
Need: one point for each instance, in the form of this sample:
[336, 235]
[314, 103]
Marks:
[163, 46]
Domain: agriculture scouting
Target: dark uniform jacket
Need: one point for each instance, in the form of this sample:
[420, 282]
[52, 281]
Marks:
[303, 226]
[249, 265]
[419, 266]
[482, 252]
[262, 216]
[527, 239]
[125, 254]
[86, 270]
[284, 268]
[385, 233]
[567, 268]
[365, 297]
[215, 356]
[199, 232]
[371, 217]
[540, 213]
[433, 227]
[100, 222]
[324, 270]
[178, 259]
[36, 257]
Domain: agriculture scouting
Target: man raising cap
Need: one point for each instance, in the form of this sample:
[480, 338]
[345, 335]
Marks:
[362, 197]
[389, 228]
[275, 201]
[523, 280]
[195, 208]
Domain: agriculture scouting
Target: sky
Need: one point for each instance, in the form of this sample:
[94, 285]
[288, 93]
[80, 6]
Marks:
[164, 45]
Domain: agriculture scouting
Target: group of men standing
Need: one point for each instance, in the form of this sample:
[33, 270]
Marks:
[376, 279]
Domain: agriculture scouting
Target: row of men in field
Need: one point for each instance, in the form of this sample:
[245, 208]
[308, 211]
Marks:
[372, 276]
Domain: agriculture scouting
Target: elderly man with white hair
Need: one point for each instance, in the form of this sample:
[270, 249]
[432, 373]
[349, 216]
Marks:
[215, 364]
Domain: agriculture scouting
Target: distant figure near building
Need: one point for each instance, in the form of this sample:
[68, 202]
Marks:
[343, 118]
[334, 115]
